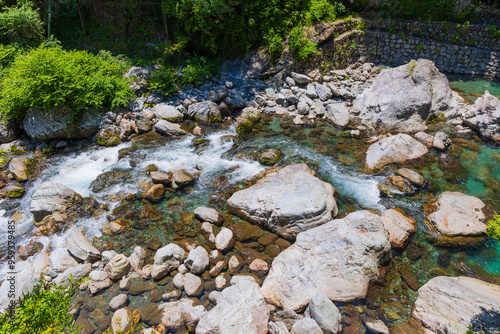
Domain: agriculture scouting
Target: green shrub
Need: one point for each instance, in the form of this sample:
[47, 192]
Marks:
[169, 79]
[20, 24]
[44, 78]
[7, 55]
[275, 45]
[494, 227]
[44, 310]
[300, 45]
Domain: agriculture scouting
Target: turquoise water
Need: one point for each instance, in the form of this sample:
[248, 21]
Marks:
[473, 86]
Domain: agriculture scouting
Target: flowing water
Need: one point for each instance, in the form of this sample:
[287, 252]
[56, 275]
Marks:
[223, 162]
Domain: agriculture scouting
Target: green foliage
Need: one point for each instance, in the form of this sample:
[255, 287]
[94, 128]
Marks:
[494, 30]
[7, 55]
[494, 227]
[300, 45]
[168, 79]
[420, 47]
[443, 10]
[275, 45]
[47, 77]
[234, 27]
[20, 24]
[361, 25]
[44, 310]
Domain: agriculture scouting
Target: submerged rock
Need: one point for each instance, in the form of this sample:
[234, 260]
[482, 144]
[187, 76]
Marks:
[240, 309]
[287, 202]
[269, 157]
[339, 259]
[395, 149]
[452, 304]
[403, 98]
[108, 179]
[457, 219]
[52, 197]
[484, 117]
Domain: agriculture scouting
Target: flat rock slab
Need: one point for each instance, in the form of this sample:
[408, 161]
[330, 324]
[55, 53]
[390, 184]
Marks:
[287, 202]
[338, 258]
[451, 304]
[457, 219]
[395, 149]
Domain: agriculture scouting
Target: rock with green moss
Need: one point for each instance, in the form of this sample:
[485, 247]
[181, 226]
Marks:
[269, 157]
[14, 191]
[20, 169]
[108, 137]
[247, 120]
[207, 112]
[108, 179]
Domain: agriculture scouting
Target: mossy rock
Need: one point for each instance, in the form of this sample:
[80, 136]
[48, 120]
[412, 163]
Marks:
[108, 137]
[14, 191]
[244, 126]
[269, 157]
[108, 179]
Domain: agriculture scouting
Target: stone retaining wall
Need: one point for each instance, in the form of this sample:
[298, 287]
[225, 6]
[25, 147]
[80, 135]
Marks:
[383, 43]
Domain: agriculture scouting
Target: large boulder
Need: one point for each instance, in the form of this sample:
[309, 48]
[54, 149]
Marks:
[8, 131]
[207, 112]
[339, 259]
[287, 201]
[403, 98]
[452, 304]
[456, 219]
[52, 197]
[484, 117]
[42, 126]
[394, 149]
[240, 308]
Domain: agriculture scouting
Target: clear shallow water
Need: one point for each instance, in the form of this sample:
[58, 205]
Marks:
[474, 86]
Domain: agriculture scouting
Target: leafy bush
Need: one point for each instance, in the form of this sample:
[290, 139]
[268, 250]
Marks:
[168, 79]
[46, 77]
[494, 227]
[234, 27]
[300, 45]
[275, 45]
[7, 55]
[44, 310]
[20, 24]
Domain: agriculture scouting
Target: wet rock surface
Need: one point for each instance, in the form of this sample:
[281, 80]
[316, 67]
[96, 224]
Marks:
[359, 242]
[461, 301]
[287, 202]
